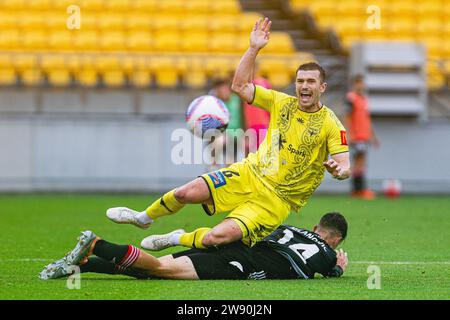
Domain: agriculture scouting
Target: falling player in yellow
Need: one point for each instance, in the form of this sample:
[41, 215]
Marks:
[260, 191]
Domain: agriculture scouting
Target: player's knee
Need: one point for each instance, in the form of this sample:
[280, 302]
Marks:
[181, 194]
[217, 238]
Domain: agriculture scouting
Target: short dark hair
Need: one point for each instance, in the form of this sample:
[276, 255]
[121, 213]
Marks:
[217, 82]
[357, 78]
[334, 222]
[313, 66]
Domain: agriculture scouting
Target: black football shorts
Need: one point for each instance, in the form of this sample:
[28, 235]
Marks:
[236, 261]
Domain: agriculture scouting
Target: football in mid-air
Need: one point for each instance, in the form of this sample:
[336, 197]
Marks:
[205, 113]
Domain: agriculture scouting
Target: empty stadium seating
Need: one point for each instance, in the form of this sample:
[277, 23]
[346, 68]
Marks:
[421, 21]
[138, 42]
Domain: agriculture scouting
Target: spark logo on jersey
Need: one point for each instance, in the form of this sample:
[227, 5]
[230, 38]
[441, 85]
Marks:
[217, 178]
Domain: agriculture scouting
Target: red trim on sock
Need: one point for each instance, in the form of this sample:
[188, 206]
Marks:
[130, 258]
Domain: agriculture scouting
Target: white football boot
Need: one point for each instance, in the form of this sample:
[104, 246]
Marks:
[68, 265]
[159, 242]
[125, 216]
[57, 269]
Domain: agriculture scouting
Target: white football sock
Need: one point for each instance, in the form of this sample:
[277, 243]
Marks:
[174, 239]
[143, 218]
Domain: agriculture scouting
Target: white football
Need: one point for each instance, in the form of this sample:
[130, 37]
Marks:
[205, 113]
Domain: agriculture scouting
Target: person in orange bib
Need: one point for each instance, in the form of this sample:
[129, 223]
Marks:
[361, 136]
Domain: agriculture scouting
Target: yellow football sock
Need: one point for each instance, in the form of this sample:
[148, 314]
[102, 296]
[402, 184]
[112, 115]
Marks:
[194, 239]
[165, 205]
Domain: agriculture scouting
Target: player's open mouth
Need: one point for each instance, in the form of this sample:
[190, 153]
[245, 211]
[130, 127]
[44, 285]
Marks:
[305, 97]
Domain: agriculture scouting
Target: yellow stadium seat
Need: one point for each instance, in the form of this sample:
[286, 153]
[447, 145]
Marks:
[197, 6]
[194, 42]
[219, 67]
[280, 42]
[112, 41]
[166, 76]
[434, 46]
[61, 40]
[110, 21]
[298, 5]
[92, 5]
[55, 68]
[165, 23]
[403, 8]
[9, 39]
[139, 41]
[63, 4]
[435, 76]
[430, 8]
[27, 68]
[73, 63]
[350, 27]
[247, 21]
[223, 23]
[34, 40]
[277, 72]
[223, 43]
[194, 72]
[88, 21]
[322, 7]
[110, 70]
[55, 21]
[140, 75]
[350, 8]
[429, 26]
[7, 21]
[230, 7]
[7, 72]
[197, 23]
[446, 50]
[117, 5]
[166, 41]
[144, 6]
[86, 40]
[39, 4]
[402, 27]
[139, 22]
[446, 29]
[171, 7]
[13, 4]
[87, 74]
[32, 21]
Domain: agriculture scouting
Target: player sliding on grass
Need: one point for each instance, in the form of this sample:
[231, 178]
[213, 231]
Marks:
[287, 253]
[261, 190]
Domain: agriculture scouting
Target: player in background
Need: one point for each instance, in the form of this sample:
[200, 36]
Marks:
[361, 134]
[257, 119]
[287, 253]
[231, 142]
[260, 191]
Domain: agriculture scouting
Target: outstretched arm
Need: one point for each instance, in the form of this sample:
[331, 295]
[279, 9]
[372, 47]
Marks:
[242, 81]
[339, 166]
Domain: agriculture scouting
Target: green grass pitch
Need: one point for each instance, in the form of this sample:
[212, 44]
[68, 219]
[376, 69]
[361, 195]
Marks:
[408, 238]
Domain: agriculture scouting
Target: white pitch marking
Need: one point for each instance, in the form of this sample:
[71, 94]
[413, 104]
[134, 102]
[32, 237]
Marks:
[400, 262]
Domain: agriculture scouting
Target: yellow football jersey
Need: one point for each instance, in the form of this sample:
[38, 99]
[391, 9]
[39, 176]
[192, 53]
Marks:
[290, 159]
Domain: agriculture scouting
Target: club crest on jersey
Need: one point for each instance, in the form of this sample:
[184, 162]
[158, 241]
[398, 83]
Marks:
[217, 178]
